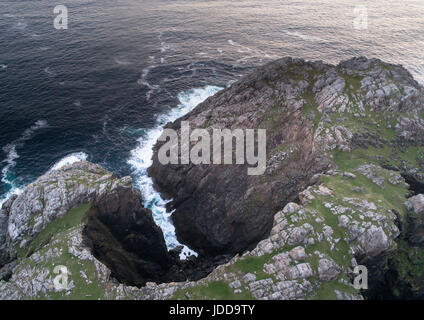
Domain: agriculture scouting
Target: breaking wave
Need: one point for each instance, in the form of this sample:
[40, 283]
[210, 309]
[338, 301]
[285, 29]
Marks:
[11, 157]
[69, 159]
[141, 159]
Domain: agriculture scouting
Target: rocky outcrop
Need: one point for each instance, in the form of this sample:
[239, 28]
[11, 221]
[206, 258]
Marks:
[94, 222]
[116, 227]
[342, 187]
[50, 197]
[415, 206]
[310, 110]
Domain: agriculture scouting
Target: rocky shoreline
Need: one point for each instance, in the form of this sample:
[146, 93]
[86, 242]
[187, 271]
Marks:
[343, 186]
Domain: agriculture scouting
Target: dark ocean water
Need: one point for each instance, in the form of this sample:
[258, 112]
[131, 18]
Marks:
[102, 89]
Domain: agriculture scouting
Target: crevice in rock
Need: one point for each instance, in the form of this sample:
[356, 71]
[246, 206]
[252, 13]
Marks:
[121, 234]
[415, 185]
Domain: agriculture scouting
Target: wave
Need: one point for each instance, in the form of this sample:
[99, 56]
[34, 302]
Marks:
[14, 191]
[21, 25]
[49, 72]
[122, 61]
[11, 157]
[69, 159]
[302, 36]
[3, 66]
[17, 190]
[143, 80]
[141, 159]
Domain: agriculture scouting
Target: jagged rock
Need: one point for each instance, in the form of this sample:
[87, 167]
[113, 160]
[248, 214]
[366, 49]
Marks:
[298, 253]
[416, 204]
[52, 195]
[415, 207]
[3, 234]
[373, 241]
[219, 208]
[327, 269]
[373, 173]
[314, 114]
[124, 236]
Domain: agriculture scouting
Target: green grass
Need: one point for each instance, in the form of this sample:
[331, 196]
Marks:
[327, 290]
[408, 262]
[72, 218]
[55, 237]
[214, 290]
[83, 289]
[254, 265]
[354, 81]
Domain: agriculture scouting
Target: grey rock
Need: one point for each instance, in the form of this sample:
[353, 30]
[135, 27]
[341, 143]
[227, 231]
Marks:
[298, 253]
[327, 269]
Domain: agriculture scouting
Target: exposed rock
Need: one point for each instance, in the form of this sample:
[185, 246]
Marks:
[309, 110]
[336, 144]
[298, 253]
[125, 237]
[51, 196]
[327, 269]
[415, 207]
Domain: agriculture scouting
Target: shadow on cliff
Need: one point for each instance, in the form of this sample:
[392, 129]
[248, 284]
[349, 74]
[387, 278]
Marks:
[123, 235]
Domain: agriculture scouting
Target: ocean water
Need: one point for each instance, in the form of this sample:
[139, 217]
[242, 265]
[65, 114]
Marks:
[102, 89]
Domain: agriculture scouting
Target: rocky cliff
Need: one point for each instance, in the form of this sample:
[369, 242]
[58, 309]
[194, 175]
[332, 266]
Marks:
[312, 112]
[343, 186]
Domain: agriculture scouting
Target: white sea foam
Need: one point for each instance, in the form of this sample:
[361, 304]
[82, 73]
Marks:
[143, 79]
[302, 36]
[12, 155]
[49, 71]
[141, 159]
[122, 61]
[69, 159]
[10, 193]
[21, 25]
[10, 149]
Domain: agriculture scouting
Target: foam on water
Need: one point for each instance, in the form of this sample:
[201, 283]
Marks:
[11, 157]
[12, 154]
[17, 190]
[141, 159]
[69, 159]
[122, 61]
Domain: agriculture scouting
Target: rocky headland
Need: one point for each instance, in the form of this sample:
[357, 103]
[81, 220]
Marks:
[344, 186]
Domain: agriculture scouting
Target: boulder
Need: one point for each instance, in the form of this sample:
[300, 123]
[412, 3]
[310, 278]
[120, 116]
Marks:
[415, 233]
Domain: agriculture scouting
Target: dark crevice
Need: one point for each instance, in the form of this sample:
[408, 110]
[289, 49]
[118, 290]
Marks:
[415, 185]
[122, 234]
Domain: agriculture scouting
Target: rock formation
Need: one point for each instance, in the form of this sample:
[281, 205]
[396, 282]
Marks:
[344, 186]
[309, 109]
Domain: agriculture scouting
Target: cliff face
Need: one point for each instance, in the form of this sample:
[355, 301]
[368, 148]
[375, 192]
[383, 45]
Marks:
[84, 203]
[343, 186]
[312, 112]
